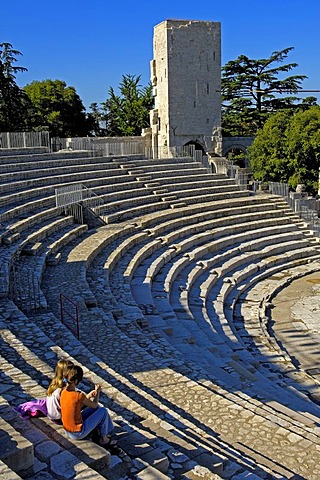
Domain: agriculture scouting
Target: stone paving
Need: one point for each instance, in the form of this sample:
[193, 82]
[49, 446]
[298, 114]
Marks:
[296, 324]
[175, 418]
[198, 402]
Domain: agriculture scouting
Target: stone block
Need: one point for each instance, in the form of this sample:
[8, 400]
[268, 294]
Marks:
[211, 461]
[65, 465]
[169, 198]
[155, 458]
[31, 249]
[16, 451]
[177, 205]
[151, 473]
[160, 191]
[53, 259]
[6, 473]
[134, 450]
[200, 473]
[10, 239]
[86, 474]
[249, 476]
[34, 435]
[116, 470]
[46, 450]
[88, 452]
[152, 184]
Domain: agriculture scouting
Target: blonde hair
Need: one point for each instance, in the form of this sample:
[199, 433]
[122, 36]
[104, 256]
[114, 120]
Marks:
[59, 373]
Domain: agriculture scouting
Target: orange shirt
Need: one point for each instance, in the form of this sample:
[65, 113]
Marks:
[71, 403]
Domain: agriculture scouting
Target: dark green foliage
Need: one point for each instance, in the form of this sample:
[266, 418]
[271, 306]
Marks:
[287, 148]
[94, 121]
[127, 113]
[57, 108]
[250, 88]
[14, 104]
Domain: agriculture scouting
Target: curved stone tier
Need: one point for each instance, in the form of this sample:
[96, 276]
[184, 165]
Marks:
[173, 296]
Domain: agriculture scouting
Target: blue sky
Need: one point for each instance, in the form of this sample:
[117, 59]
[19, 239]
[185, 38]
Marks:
[91, 44]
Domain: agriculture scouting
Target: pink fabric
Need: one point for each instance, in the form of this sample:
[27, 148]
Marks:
[34, 408]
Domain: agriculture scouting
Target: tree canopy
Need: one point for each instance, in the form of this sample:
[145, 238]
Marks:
[251, 88]
[127, 113]
[14, 104]
[57, 108]
[287, 148]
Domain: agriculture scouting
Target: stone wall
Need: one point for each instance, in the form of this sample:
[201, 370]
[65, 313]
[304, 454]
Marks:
[186, 76]
[239, 143]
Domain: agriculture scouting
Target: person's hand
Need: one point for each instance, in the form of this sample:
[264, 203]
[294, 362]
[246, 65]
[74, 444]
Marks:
[97, 388]
[92, 394]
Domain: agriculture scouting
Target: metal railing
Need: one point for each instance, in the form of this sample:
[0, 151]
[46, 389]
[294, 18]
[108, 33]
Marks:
[10, 140]
[241, 175]
[113, 147]
[24, 290]
[69, 315]
[99, 146]
[4, 280]
[69, 194]
[171, 152]
[187, 151]
[281, 189]
[71, 199]
[118, 149]
[307, 208]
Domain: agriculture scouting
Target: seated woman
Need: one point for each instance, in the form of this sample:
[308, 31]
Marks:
[81, 413]
[54, 390]
[49, 406]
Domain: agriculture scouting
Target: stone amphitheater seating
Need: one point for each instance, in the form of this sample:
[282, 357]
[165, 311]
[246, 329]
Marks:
[172, 294]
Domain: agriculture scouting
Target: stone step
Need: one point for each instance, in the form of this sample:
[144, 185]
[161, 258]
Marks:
[39, 441]
[31, 249]
[53, 259]
[177, 205]
[149, 473]
[126, 166]
[16, 451]
[169, 198]
[56, 163]
[36, 173]
[6, 473]
[152, 184]
[10, 239]
[160, 191]
[37, 157]
[140, 445]
[86, 451]
[136, 171]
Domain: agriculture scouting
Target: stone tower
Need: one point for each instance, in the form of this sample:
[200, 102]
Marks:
[186, 77]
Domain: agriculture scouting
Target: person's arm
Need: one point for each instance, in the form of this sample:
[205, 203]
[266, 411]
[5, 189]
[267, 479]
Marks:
[92, 398]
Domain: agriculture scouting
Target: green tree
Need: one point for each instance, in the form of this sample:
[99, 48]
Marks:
[250, 88]
[95, 120]
[287, 148]
[57, 108]
[14, 104]
[127, 113]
